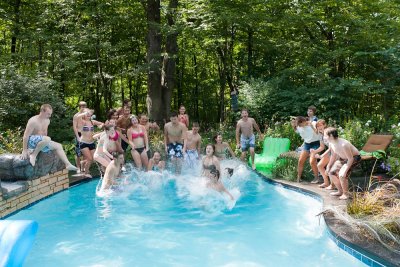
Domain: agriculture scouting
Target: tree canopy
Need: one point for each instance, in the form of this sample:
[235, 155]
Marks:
[282, 56]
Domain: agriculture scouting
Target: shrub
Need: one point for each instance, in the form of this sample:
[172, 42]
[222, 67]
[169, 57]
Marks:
[11, 141]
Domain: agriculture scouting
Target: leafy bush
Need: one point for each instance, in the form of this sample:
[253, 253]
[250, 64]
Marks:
[22, 96]
[11, 141]
[356, 132]
[286, 168]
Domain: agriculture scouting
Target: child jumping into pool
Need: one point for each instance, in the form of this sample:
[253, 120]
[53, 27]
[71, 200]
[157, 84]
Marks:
[113, 171]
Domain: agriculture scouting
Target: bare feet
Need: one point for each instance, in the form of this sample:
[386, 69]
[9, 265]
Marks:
[32, 159]
[323, 185]
[71, 167]
[343, 197]
[253, 166]
[331, 187]
[336, 194]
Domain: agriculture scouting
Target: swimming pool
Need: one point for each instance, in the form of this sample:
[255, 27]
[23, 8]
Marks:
[176, 221]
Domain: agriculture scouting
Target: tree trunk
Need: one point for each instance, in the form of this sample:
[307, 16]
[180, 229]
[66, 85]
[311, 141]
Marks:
[15, 32]
[169, 62]
[154, 99]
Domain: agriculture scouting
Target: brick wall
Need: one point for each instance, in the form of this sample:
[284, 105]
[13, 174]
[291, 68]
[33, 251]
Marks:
[37, 189]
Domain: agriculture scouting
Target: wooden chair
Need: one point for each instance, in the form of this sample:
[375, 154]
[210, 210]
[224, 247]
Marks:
[375, 142]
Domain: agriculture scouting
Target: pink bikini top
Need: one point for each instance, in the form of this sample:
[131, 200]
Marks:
[115, 137]
[137, 135]
[182, 118]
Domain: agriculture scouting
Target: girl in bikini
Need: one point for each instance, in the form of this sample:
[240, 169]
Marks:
[86, 141]
[222, 148]
[139, 141]
[155, 163]
[182, 117]
[110, 141]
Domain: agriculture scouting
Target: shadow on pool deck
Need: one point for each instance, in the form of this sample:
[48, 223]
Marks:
[334, 211]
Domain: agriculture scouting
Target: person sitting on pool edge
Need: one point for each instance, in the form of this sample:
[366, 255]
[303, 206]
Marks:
[35, 138]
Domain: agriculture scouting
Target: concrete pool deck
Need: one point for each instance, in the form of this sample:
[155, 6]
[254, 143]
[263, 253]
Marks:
[349, 237]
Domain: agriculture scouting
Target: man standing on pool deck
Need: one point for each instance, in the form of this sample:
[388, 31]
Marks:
[174, 133]
[247, 139]
[35, 138]
[344, 156]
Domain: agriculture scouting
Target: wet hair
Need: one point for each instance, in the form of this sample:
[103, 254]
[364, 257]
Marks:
[45, 107]
[300, 119]
[173, 114]
[313, 108]
[332, 132]
[245, 109]
[156, 152]
[214, 171]
[195, 124]
[110, 113]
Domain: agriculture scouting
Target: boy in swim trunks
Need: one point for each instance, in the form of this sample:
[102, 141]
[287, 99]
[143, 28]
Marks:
[247, 140]
[35, 138]
[192, 146]
[174, 133]
[77, 125]
[344, 156]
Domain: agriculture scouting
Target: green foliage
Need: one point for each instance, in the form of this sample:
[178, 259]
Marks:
[11, 141]
[22, 96]
[356, 132]
[286, 168]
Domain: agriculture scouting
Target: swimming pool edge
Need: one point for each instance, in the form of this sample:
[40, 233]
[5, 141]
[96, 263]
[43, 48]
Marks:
[338, 230]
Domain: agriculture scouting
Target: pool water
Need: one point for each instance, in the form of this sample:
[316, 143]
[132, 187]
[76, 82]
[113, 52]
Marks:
[167, 220]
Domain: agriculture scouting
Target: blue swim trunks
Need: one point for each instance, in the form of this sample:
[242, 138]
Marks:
[191, 158]
[175, 150]
[247, 142]
[34, 140]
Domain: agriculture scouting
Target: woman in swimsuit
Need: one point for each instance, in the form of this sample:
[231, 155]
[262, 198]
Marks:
[86, 141]
[210, 161]
[110, 141]
[222, 148]
[182, 117]
[325, 157]
[155, 163]
[139, 141]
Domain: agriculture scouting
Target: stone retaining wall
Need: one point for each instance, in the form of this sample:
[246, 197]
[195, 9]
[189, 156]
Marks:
[37, 189]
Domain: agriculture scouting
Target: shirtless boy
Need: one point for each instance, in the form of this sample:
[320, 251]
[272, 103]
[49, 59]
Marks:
[113, 170]
[123, 124]
[174, 133]
[36, 139]
[191, 149]
[344, 156]
[77, 125]
[245, 138]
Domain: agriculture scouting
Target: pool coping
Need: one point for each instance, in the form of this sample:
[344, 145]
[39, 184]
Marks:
[369, 251]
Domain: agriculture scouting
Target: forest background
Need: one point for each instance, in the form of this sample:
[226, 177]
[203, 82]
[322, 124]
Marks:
[281, 56]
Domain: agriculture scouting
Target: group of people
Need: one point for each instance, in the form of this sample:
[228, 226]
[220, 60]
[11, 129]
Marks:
[336, 156]
[122, 130]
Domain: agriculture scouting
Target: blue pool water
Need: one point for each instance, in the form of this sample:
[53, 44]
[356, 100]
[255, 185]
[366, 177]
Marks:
[177, 221]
